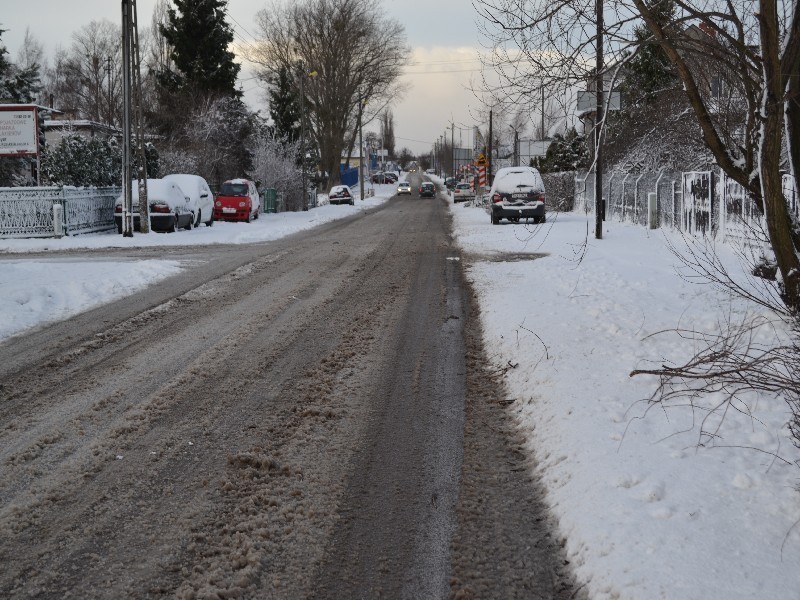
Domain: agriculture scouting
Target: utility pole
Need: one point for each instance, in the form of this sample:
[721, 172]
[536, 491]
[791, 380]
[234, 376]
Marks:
[303, 135]
[131, 73]
[453, 147]
[127, 195]
[360, 145]
[599, 209]
[110, 92]
[489, 178]
[516, 148]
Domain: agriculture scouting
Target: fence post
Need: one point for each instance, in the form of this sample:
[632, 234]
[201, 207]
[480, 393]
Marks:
[58, 219]
[652, 210]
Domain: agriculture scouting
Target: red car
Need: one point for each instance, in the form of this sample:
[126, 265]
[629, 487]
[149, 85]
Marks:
[237, 200]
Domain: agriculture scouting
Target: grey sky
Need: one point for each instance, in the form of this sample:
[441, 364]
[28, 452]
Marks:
[443, 34]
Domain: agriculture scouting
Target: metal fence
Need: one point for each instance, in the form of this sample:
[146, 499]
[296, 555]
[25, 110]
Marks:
[696, 202]
[29, 211]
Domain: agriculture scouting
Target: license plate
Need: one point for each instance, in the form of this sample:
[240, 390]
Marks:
[519, 195]
[226, 209]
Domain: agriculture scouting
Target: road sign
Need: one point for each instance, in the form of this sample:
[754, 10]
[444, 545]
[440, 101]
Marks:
[481, 161]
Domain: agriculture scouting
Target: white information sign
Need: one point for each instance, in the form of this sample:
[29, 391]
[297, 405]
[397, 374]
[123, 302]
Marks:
[18, 131]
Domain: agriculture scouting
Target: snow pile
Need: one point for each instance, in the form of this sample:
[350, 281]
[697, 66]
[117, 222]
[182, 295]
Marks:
[650, 507]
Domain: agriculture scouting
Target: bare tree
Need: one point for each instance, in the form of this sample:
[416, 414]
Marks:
[353, 51]
[89, 75]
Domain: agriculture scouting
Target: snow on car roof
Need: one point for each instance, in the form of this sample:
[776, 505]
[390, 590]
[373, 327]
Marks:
[163, 190]
[509, 178]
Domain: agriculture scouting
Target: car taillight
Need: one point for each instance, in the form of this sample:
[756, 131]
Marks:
[160, 208]
[118, 208]
[540, 197]
[497, 198]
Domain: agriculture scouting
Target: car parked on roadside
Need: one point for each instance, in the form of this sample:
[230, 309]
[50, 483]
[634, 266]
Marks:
[427, 190]
[517, 193]
[340, 194]
[170, 208]
[404, 188]
[390, 177]
[201, 198]
[238, 200]
[450, 183]
[463, 192]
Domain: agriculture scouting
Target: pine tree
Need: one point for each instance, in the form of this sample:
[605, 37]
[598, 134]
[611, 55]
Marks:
[649, 71]
[284, 107]
[199, 37]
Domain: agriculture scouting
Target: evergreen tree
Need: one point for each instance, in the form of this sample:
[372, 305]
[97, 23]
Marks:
[199, 36]
[565, 153]
[649, 71]
[284, 107]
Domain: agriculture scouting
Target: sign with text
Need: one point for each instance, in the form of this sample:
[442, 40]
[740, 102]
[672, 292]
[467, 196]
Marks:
[18, 130]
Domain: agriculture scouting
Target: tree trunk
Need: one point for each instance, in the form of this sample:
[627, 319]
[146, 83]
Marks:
[784, 238]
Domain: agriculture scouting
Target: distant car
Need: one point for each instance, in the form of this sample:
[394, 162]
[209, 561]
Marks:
[201, 198]
[170, 208]
[517, 193]
[380, 178]
[238, 200]
[450, 183]
[340, 194]
[404, 188]
[427, 190]
[463, 192]
[390, 177]
[430, 171]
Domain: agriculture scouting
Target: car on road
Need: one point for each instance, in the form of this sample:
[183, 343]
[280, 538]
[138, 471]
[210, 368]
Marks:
[201, 198]
[404, 188]
[170, 208]
[463, 192]
[517, 193]
[427, 190]
[450, 183]
[340, 194]
[238, 200]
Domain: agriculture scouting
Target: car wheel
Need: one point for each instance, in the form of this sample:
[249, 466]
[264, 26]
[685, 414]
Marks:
[210, 222]
[352, 202]
[190, 225]
[495, 220]
[249, 217]
[199, 218]
[173, 228]
[119, 228]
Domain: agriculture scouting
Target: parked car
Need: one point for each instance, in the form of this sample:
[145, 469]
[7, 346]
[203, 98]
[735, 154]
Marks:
[380, 178]
[170, 208]
[517, 193]
[238, 200]
[340, 194]
[427, 190]
[404, 188]
[390, 177]
[463, 192]
[201, 198]
[450, 183]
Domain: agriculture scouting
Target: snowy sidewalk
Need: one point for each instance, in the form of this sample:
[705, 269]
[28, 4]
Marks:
[647, 512]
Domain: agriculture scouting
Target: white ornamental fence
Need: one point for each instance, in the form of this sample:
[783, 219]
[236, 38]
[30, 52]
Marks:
[55, 211]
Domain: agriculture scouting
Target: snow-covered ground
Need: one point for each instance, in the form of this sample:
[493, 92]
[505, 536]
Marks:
[647, 511]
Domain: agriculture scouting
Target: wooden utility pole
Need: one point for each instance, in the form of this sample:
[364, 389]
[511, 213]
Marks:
[489, 176]
[132, 107]
[599, 209]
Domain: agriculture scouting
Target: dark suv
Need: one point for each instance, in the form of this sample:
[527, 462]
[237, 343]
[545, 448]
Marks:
[517, 193]
[427, 190]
